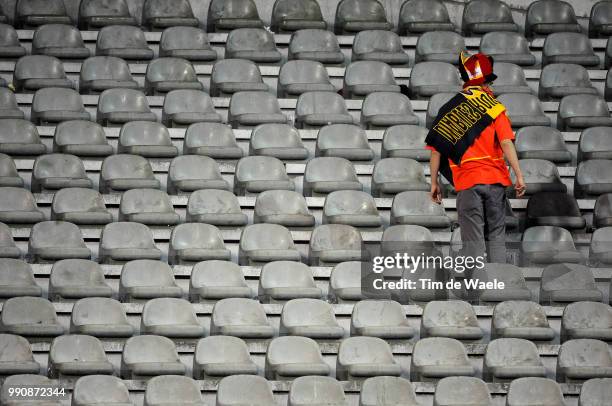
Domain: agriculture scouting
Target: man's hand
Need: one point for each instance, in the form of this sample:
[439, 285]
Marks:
[436, 193]
[519, 185]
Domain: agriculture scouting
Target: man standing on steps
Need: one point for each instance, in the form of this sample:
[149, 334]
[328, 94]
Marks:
[471, 139]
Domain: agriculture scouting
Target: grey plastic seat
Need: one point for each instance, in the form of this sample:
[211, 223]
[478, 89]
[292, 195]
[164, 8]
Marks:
[453, 318]
[550, 16]
[286, 280]
[214, 279]
[595, 392]
[81, 138]
[521, 319]
[360, 357]
[8, 105]
[293, 15]
[568, 47]
[255, 174]
[462, 390]
[316, 390]
[548, 245]
[13, 381]
[310, 318]
[96, 390]
[542, 143]
[511, 79]
[18, 206]
[380, 318]
[119, 106]
[396, 175]
[9, 177]
[54, 105]
[586, 319]
[145, 138]
[510, 358]
[123, 172]
[387, 391]
[124, 42]
[17, 279]
[217, 207]
[234, 75]
[541, 176]
[430, 78]
[187, 106]
[255, 44]
[290, 357]
[235, 390]
[602, 211]
[600, 21]
[515, 286]
[482, 16]
[352, 207]
[8, 249]
[172, 390]
[194, 242]
[215, 140]
[32, 13]
[608, 87]
[144, 279]
[608, 55]
[420, 16]
[76, 279]
[379, 45]
[100, 13]
[284, 207]
[188, 173]
[562, 283]
[554, 209]
[280, 141]
[345, 282]
[347, 141]
[9, 44]
[359, 15]
[315, 45]
[593, 178]
[169, 73]
[160, 14]
[100, 73]
[405, 141]
[170, 317]
[301, 76]
[30, 316]
[579, 111]
[267, 243]
[524, 110]
[505, 46]
[123, 241]
[326, 174]
[333, 243]
[240, 317]
[439, 357]
[190, 43]
[227, 15]
[54, 240]
[563, 79]
[150, 355]
[59, 40]
[582, 359]
[251, 108]
[439, 46]
[147, 206]
[317, 109]
[100, 317]
[415, 207]
[364, 77]
[385, 109]
[77, 354]
[17, 358]
[58, 171]
[220, 356]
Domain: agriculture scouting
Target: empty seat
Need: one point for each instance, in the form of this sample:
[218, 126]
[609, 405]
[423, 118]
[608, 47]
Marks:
[333, 243]
[415, 207]
[9, 42]
[316, 45]
[301, 76]
[99, 73]
[602, 212]
[169, 73]
[149, 355]
[384, 109]
[439, 46]
[460, 390]
[579, 111]
[127, 241]
[454, 319]
[9, 177]
[8, 249]
[420, 16]
[189, 173]
[387, 391]
[190, 43]
[286, 280]
[172, 390]
[326, 174]
[218, 207]
[364, 77]
[284, 207]
[395, 175]
[159, 14]
[76, 279]
[17, 358]
[240, 317]
[313, 390]
[343, 141]
[256, 174]
[359, 15]
[35, 72]
[123, 172]
[17, 205]
[219, 356]
[118, 106]
[548, 245]
[227, 15]
[534, 391]
[96, 390]
[541, 176]
[59, 40]
[405, 141]
[293, 15]
[563, 79]
[345, 282]
[266, 243]
[379, 45]
[54, 105]
[542, 143]
[550, 16]
[586, 319]
[568, 47]
[32, 13]
[562, 283]
[53, 240]
[582, 359]
[146, 139]
[100, 317]
[144, 279]
[58, 171]
[524, 110]
[281, 141]
[515, 286]
[212, 280]
[255, 44]
[170, 317]
[250, 108]
[100, 13]
[554, 209]
[380, 318]
[608, 87]
[234, 75]
[521, 319]
[8, 105]
[509, 358]
[187, 106]
[593, 178]
[600, 22]
[236, 389]
[215, 140]
[506, 46]
[290, 357]
[30, 316]
[429, 78]
[316, 109]
[17, 279]
[196, 242]
[310, 318]
[124, 42]
[147, 206]
[77, 354]
[360, 357]
[482, 16]
[81, 138]
[439, 357]
[511, 79]
[352, 207]
[595, 392]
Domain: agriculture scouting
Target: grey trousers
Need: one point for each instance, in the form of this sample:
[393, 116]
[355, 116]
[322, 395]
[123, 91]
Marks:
[481, 211]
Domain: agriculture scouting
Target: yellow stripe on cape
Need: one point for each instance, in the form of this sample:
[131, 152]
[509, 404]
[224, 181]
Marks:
[493, 107]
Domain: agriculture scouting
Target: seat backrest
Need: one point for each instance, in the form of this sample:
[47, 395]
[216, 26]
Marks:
[316, 390]
[498, 42]
[368, 72]
[123, 100]
[124, 166]
[125, 234]
[118, 37]
[97, 389]
[39, 66]
[56, 35]
[237, 389]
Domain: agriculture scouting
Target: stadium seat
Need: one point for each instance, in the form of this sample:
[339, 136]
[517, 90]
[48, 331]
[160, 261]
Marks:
[291, 357]
[149, 355]
[95, 390]
[170, 317]
[608, 87]
[58, 171]
[35, 72]
[317, 109]
[188, 173]
[266, 243]
[568, 47]
[100, 317]
[187, 106]
[548, 245]
[315, 45]
[285, 280]
[214, 140]
[461, 390]
[352, 207]
[234, 75]
[17, 279]
[333, 243]
[510, 358]
[586, 319]
[228, 15]
[345, 282]
[582, 359]
[524, 110]
[255, 174]
[8, 249]
[360, 357]
[284, 207]
[385, 109]
[127, 241]
[17, 359]
[9, 177]
[160, 14]
[416, 208]
[100, 73]
[601, 246]
[59, 40]
[379, 45]
[301, 76]
[453, 318]
[309, 318]
[81, 138]
[312, 390]
[236, 389]
[217, 207]
[359, 15]
[515, 286]
[18, 206]
[280, 141]
[420, 16]
[364, 77]
[505, 46]
[33, 13]
[483, 16]
[251, 108]
[213, 279]
[600, 22]
[119, 106]
[550, 16]
[144, 279]
[347, 141]
[595, 392]
[8, 105]
[9, 43]
[123, 172]
[563, 283]
[76, 279]
[592, 178]
[147, 139]
[602, 212]
[190, 43]
[255, 44]
[520, 319]
[95, 14]
[53, 105]
[385, 319]
[219, 356]
[579, 111]
[54, 240]
[325, 174]
[542, 143]
[511, 79]
[194, 242]
[562, 79]
[439, 357]
[541, 176]
[124, 42]
[554, 209]
[30, 317]
[168, 73]
[294, 15]
[405, 141]
[430, 78]
[172, 390]
[147, 206]
[395, 175]
[78, 355]
[240, 317]
[392, 390]
[439, 46]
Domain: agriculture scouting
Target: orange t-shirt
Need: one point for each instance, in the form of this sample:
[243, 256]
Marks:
[483, 162]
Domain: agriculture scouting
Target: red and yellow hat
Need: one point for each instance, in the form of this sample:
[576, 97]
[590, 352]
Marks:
[476, 69]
